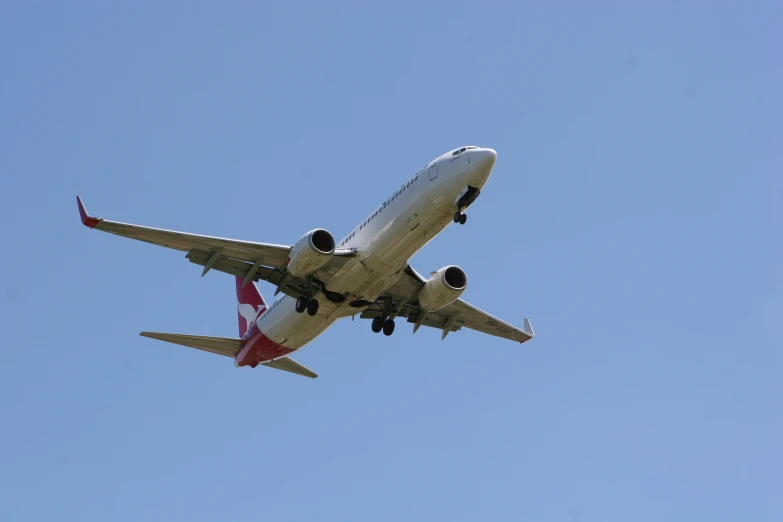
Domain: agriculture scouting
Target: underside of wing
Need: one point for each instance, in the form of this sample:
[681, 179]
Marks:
[251, 260]
[262, 253]
[483, 322]
[450, 318]
[278, 277]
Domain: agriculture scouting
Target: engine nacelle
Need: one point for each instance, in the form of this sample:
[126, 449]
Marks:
[444, 287]
[311, 252]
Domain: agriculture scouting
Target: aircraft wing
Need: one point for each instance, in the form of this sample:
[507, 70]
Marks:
[450, 318]
[255, 261]
[268, 254]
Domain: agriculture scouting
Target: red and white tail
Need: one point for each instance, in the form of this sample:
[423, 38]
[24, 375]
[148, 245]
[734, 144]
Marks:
[250, 304]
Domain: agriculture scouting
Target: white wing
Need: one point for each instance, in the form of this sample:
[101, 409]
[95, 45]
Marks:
[449, 318]
[256, 261]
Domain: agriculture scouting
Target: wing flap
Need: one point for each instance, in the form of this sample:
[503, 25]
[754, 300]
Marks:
[236, 267]
[431, 319]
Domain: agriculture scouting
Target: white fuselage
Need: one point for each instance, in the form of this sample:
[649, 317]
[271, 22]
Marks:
[384, 242]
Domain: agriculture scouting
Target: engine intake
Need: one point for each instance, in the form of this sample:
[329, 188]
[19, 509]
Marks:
[311, 252]
[444, 287]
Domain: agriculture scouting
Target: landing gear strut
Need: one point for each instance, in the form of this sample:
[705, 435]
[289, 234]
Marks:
[464, 202]
[303, 303]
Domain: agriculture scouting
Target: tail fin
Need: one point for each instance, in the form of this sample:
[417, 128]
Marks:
[250, 304]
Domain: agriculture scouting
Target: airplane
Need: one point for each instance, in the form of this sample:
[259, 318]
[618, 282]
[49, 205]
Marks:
[366, 273]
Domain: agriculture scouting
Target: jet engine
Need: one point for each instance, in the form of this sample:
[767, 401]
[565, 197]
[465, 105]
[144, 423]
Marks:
[310, 253]
[444, 287]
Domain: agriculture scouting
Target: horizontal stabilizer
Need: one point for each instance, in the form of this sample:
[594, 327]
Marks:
[229, 347]
[289, 365]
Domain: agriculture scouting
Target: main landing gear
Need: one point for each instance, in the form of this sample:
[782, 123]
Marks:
[387, 325]
[304, 303]
[460, 218]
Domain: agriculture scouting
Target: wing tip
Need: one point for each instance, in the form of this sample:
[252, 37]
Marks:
[87, 220]
[529, 328]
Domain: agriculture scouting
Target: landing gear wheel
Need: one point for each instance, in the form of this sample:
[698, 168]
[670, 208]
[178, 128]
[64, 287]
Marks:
[463, 218]
[377, 324]
[301, 304]
[388, 327]
[312, 307]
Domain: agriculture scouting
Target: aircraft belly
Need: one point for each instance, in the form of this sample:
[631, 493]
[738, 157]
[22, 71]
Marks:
[379, 265]
[303, 328]
[380, 262]
[392, 246]
[362, 283]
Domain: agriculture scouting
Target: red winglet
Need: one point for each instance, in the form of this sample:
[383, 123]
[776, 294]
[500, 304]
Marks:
[87, 220]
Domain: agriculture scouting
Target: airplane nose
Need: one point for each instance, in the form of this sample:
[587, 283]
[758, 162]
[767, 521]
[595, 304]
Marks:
[483, 159]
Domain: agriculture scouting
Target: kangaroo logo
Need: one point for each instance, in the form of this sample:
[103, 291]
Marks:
[248, 313]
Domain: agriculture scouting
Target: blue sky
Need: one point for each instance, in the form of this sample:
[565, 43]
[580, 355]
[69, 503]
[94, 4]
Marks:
[634, 214]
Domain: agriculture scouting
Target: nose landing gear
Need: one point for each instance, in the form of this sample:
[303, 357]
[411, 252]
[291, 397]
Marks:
[469, 195]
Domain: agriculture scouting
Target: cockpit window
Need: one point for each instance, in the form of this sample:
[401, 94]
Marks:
[463, 149]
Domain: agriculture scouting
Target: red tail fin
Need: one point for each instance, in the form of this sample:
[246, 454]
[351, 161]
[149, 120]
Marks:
[250, 304]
